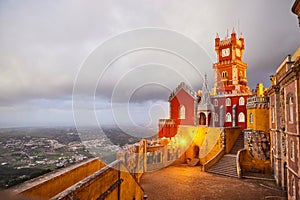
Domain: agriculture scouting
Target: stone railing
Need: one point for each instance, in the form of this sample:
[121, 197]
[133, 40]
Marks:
[162, 156]
[239, 159]
[163, 122]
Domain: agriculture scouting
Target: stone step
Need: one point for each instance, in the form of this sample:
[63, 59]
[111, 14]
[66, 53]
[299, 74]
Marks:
[225, 166]
[239, 144]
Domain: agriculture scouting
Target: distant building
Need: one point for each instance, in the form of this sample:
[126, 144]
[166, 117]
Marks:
[284, 124]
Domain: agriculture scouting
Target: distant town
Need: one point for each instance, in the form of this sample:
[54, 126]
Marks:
[26, 153]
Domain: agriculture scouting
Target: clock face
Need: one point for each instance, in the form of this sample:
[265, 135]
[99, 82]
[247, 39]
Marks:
[238, 52]
[225, 52]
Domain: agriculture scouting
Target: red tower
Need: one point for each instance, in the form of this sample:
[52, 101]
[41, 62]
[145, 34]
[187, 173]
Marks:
[230, 70]
[230, 83]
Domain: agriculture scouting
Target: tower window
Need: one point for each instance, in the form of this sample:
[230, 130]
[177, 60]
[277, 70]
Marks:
[241, 117]
[242, 101]
[224, 74]
[251, 118]
[228, 102]
[228, 117]
[182, 112]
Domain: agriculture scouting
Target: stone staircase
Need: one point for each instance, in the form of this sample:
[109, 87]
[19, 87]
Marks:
[225, 166]
[238, 145]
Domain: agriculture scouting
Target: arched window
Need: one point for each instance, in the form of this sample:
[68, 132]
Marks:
[216, 117]
[242, 101]
[215, 102]
[272, 114]
[251, 118]
[228, 102]
[182, 112]
[241, 117]
[291, 109]
[292, 150]
[224, 74]
[228, 117]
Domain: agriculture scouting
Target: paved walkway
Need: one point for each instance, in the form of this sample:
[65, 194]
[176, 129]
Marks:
[183, 182]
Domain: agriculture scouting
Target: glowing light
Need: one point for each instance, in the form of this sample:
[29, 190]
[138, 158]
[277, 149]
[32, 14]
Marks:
[182, 141]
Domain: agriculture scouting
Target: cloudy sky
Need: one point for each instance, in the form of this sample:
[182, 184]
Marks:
[52, 51]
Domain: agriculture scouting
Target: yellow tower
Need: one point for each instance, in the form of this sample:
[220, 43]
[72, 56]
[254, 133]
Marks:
[258, 110]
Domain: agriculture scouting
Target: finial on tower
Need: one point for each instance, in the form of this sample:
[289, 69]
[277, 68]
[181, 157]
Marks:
[241, 35]
[233, 30]
[217, 36]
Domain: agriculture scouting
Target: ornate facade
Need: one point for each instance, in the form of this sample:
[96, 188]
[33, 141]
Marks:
[284, 124]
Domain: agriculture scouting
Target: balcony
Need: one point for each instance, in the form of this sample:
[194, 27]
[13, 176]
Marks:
[255, 101]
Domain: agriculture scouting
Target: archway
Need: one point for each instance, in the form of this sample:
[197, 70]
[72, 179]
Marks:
[209, 119]
[196, 151]
[202, 120]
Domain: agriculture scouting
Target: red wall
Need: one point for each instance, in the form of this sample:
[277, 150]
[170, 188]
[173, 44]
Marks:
[291, 126]
[183, 98]
[239, 108]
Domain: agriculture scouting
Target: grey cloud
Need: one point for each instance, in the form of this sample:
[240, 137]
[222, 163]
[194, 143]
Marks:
[44, 43]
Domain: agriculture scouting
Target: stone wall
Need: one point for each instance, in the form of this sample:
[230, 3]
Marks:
[111, 182]
[258, 144]
[48, 185]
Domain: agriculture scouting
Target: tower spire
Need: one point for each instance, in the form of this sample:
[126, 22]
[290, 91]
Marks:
[227, 34]
[233, 30]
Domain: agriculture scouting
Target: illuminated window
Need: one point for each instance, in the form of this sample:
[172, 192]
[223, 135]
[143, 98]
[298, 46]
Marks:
[228, 102]
[241, 117]
[182, 112]
[292, 150]
[241, 101]
[291, 109]
[228, 117]
[251, 118]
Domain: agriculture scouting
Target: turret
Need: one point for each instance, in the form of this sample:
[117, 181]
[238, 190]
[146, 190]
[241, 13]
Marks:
[233, 37]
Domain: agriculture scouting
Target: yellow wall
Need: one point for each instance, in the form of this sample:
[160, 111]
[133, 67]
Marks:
[247, 162]
[231, 135]
[97, 184]
[207, 139]
[48, 185]
[260, 119]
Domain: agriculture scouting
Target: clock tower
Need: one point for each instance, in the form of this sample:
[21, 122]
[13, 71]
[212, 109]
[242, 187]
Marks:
[230, 70]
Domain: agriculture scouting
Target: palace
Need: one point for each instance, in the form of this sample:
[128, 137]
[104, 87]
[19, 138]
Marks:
[227, 131]
[225, 106]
